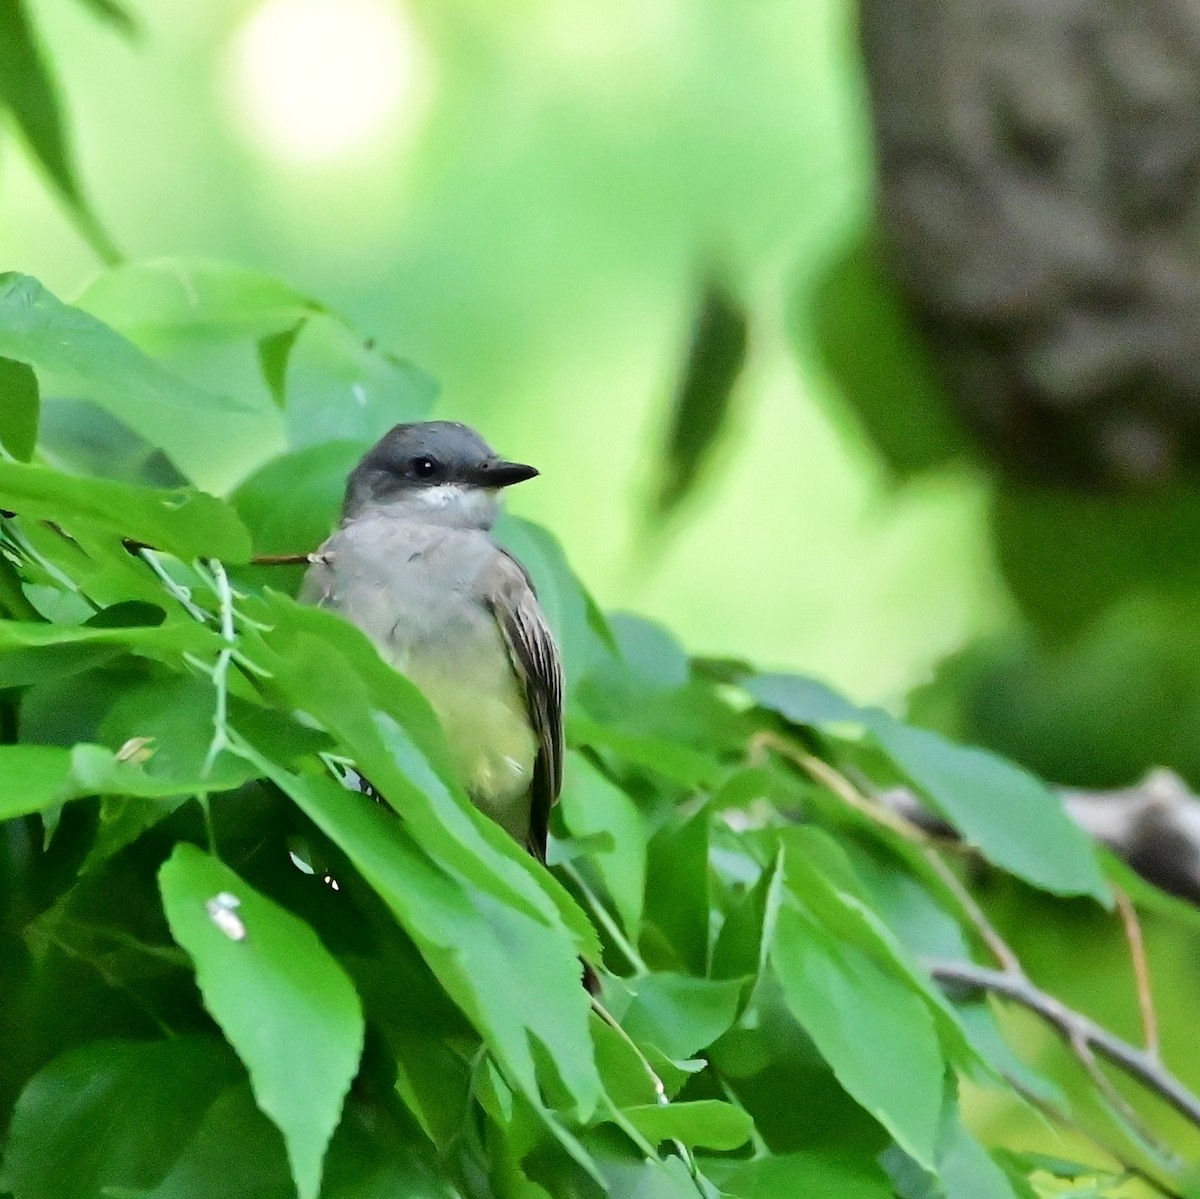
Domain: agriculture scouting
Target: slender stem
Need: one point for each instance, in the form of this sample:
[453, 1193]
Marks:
[220, 670]
[1001, 950]
[605, 918]
[1074, 1026]
[1141, 971]
[1060, 1118]
[182, 594]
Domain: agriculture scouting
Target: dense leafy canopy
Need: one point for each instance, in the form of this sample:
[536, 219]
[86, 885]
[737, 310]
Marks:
[231, 973]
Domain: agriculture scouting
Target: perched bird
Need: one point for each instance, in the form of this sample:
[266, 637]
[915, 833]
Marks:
[414, 565]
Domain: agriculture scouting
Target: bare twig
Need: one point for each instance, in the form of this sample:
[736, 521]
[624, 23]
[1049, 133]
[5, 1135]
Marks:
[1061, 1118]
[136, 547]
[1141, 972]
[1082, 1034]
[1075, 1027]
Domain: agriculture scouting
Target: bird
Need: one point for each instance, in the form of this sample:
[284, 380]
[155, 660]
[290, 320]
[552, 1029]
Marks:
[414, 564]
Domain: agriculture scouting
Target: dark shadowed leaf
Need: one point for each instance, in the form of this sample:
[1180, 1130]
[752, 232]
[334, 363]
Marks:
[236, 1153]
[28, 92]
[113, 14]
[701, 403]
[112, 1113]
[19, 406]
[279, 996]
[274, 353]
[291, 504]
[886, 374]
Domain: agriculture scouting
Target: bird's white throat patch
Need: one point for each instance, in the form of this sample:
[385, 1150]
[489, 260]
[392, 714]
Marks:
[457, 503]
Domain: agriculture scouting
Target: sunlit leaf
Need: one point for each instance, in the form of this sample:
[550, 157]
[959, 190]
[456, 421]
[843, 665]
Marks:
[281, 999]
[184, 522]
[704, 1122]
[788, 1176]
[75, 353]
[871, 1027]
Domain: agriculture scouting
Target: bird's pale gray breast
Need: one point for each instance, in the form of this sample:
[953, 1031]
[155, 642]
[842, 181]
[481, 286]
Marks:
[420, 592]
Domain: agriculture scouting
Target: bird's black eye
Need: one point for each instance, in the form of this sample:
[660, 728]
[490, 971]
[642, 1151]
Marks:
[424, 467]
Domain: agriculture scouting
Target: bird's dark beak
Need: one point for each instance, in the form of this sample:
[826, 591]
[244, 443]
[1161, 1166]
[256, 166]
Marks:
[499, 473]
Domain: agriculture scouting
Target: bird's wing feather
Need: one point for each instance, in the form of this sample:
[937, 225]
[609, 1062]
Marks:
[510, 596]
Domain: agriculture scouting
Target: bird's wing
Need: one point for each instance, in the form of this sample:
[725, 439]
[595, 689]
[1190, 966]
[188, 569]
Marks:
[510, 596]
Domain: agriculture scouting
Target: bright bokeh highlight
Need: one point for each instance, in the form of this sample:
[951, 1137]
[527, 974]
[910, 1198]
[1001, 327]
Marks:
[313, 82]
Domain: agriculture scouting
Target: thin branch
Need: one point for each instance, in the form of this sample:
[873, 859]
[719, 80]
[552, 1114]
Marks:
[1141, 971]
[1061, 1119]
[1001, 950]
[606, 918]
[137, 547]
[1077, 1028]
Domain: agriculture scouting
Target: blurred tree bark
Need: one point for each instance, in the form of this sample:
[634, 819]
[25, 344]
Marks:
[1039, 194]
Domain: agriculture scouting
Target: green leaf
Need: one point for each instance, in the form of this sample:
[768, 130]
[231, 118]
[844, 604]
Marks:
[339, 388]
[291, 504]
[19, 403]
[279, 996]
[78, 355]
[792, 1175]
[1003, 810]
[517, 979]
[701, 403]
[1007, 813]
[112, 1113]
[870, 1026]
[236, 1153]
[801, 700]
[678, 903]
[274, 353]
[28, 92]
[680, 1015]
[165, 302]
[591, 807]
[704, 1122]
[35, 777]
[184, 522]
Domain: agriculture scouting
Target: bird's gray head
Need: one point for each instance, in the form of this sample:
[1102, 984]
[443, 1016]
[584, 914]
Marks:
[437, 471]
